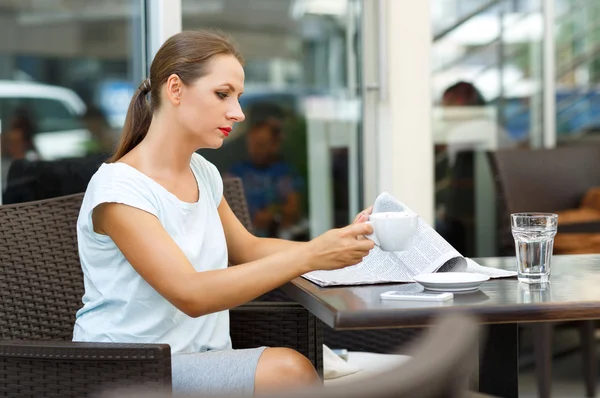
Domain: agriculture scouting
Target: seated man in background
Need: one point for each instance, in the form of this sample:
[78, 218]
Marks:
[17, 143]
[270, 184]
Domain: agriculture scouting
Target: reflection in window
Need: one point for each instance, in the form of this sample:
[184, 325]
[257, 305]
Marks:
[54, 115]
[64, 72]
[295, 50]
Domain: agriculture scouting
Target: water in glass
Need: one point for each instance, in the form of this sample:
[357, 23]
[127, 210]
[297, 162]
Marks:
[534, 253]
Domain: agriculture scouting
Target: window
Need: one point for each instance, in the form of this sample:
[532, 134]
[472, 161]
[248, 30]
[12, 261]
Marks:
[53, 115]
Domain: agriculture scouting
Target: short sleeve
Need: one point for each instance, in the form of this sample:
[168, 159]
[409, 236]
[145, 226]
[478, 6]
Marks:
[210, 175]
[109, 186]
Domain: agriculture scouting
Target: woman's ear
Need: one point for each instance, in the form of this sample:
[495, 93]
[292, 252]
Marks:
[174, 87]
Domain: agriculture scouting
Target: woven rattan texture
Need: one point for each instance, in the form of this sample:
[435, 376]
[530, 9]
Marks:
[278, 325]
[382, 341]
[284, 325]
[80, 351]
[28, 378]
[41, 283]
[41, 286]
[233, 191]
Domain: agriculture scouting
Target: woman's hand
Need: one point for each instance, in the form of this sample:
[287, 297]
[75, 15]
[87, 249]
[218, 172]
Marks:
[363, 215]
[339, 248]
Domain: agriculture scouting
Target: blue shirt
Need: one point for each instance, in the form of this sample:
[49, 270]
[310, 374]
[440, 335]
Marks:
[266, 187]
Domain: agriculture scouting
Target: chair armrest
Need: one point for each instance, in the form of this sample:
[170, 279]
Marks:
[73, 369]
[278, 325]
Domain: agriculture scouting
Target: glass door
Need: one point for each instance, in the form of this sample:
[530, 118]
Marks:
[297, 151]
[488, 89]
[67, 73]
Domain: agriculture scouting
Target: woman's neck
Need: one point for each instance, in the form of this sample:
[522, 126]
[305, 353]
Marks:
[164, 148]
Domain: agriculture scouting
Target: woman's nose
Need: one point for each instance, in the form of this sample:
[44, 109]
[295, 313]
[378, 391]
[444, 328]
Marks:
[236, 114]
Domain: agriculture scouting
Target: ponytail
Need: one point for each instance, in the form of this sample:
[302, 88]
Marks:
[137, 122]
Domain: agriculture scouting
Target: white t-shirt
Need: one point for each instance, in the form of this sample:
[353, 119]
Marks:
[118, 304]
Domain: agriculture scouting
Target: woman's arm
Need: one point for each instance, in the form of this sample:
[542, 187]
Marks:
[244, 247]
[157, 258]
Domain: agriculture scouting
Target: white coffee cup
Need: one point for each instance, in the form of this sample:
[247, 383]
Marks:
[393, 231]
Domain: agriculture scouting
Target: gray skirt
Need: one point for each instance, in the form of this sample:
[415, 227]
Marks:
[222, 372]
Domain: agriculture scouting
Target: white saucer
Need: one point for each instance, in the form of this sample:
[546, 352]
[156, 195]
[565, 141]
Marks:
[451, 281]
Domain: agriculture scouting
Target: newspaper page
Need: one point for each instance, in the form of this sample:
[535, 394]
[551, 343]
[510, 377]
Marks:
[429, 253]
[472, 266]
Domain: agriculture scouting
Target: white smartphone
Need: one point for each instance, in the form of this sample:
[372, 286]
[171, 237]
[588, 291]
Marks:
[416, 296]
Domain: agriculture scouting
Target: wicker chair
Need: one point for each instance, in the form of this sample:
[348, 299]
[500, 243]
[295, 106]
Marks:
[381, 341]
[41, 286]
[442, 363]
[233, 191]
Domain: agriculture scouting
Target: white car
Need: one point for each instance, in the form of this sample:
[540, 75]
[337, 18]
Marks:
[56, 111]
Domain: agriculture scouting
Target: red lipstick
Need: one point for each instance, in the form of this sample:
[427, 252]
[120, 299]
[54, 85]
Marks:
[225, 130]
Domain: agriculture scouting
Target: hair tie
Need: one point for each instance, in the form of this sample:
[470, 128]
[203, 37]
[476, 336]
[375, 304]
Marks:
[145, 86]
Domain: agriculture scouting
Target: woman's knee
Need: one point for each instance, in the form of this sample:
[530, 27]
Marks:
[283, 368]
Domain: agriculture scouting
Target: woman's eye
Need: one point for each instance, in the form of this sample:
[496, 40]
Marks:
[222, 95]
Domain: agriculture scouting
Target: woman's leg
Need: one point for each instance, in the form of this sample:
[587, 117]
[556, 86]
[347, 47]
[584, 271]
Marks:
[226, 372]
[283, 369]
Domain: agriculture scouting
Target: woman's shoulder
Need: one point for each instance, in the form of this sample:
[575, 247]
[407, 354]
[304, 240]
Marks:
[117, 174]
[122, 181]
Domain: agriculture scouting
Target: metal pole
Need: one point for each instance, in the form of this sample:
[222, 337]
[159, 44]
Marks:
[370, 91]
[351, 61]
[500, 116]
[138, 55]
[1, 181]
[549, 76]
[536, 107]
[164, 21]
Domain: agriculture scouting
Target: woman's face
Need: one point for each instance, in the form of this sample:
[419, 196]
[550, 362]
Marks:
[210, 106]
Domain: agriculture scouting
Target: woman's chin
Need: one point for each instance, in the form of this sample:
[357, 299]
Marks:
[213, 143]
[216, 144]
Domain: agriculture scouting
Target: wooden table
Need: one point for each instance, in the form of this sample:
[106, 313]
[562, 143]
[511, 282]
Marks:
[573, 294]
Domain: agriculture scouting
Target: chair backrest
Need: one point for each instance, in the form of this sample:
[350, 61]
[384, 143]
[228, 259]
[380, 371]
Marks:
[37, 180]
[443, 360]
[41, 282]
[233, 190]
[542, 180]
[545, 179]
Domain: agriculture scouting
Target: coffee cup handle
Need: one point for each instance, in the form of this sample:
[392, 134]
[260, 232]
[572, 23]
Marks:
[372, 236]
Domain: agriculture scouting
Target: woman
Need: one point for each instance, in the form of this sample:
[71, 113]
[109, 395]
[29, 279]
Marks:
[155, 233]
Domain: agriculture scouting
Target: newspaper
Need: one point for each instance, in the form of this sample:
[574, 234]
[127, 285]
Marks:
[429, 253]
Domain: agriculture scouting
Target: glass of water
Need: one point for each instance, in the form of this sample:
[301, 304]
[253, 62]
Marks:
[534, 239]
